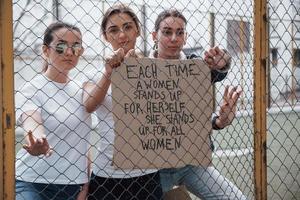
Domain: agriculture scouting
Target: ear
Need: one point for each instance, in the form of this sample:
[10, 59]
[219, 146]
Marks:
[79, 53]
[154, 36]
[138, 33]
[185, 38]
[105, 37]
[45, 50]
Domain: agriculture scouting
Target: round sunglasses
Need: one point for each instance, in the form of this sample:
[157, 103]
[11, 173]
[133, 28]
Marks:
[61, 48]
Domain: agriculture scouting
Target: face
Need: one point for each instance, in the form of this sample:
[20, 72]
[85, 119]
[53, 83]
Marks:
[170, 38]
[64, 51]
[121, 32]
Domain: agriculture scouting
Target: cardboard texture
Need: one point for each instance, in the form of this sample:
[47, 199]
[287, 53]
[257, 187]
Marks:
[162, 111]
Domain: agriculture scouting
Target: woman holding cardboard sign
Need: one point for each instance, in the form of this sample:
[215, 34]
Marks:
[120, 27]
[206, 183]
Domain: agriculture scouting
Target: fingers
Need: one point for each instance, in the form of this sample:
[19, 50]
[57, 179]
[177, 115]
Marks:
[208, 58]
[231, 92]
[31, 139]
[26, 147]
[226, 92]
[236, 95]
[231, 95]
[49, 152]
[116, 58]
[46, 144]
[218, 51]
[38, 147]
[216, 58]
[213, 55]
[228, 108]
[131, 53]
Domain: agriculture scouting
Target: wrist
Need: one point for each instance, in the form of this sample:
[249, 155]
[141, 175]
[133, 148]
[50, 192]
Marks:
[216, 123]
[107, 75]
[227, 57]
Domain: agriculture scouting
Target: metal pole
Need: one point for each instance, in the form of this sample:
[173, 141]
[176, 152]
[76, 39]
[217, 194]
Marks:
[212, 44]
[144, 22]
[55, 7]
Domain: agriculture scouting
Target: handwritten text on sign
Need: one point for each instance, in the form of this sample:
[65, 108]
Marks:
[162, 111]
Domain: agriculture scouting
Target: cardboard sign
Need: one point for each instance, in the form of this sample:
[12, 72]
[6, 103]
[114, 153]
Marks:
[162, 111]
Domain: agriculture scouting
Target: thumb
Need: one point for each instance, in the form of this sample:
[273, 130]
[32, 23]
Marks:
[26, 147]
[131, 53]
[120, 52]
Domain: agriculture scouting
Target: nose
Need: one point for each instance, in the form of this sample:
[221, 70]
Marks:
[69, 51]
[122, 33]
[174, 37]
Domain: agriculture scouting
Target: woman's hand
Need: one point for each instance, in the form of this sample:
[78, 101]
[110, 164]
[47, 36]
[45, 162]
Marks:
[84, 192]
[114, 60]
[37, 146]
[131, 54]
[217, 58]
[228, 107]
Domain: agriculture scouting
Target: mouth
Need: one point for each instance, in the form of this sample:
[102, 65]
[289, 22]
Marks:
[173, 48]
[68, 61]
[123, 44]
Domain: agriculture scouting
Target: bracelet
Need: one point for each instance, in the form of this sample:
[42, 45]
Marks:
[214, 123]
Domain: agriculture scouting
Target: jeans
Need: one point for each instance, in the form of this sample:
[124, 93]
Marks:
[204, 182]
[41, 191]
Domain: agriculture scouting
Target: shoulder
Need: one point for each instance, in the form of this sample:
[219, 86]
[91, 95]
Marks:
[36, 83]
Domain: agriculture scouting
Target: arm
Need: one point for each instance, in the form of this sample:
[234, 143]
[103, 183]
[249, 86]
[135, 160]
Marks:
[83, 194]
[95, 93]
[36, 142]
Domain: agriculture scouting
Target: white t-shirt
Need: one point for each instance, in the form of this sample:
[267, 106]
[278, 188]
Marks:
[102, 165]
[67, 127]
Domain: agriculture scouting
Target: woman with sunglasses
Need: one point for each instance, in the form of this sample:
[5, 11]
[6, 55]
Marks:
[206, 183]
[53, 163]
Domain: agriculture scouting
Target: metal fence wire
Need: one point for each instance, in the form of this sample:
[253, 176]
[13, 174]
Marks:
[283, 113]
[227, 24]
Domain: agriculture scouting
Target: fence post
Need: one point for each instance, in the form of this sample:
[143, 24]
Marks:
[1, 104]
[7, 140]
[260, 98]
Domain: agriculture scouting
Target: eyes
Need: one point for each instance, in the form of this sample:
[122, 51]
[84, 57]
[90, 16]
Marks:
[61, 48]
[126, 28]
[170, 32]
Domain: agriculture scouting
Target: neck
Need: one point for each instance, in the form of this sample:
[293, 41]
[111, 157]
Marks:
[55, 75]
[160, 55]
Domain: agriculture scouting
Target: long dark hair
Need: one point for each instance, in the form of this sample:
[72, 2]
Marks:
[116, 9]
[168, 13]
[48, 35]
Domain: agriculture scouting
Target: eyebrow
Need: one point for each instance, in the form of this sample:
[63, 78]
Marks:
[64, 41]
[124, 24]
[169, 28]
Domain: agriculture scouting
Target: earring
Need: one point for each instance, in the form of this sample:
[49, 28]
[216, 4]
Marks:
[155, 46]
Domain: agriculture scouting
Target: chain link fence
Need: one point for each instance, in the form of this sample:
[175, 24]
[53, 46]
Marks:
[228, 24]
[284, 89]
